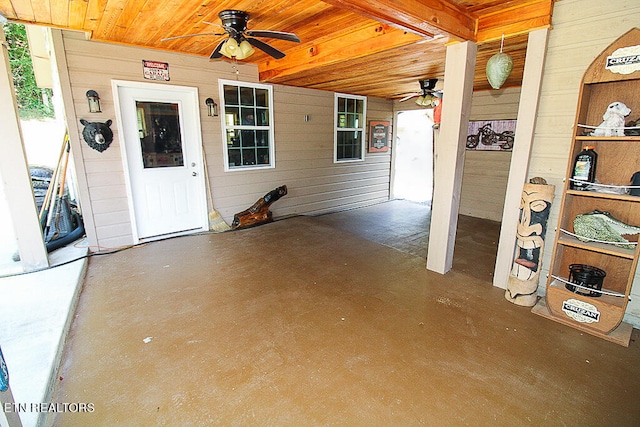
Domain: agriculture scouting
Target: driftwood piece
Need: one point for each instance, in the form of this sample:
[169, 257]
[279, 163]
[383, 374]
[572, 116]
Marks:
[259, 213]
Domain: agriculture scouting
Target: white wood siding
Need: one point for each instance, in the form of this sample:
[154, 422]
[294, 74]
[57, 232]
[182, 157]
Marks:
[304, 150]
[582, 29]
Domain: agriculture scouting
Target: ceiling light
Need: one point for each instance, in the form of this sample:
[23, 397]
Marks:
[230, 48]
[245, 50]
[427, 100]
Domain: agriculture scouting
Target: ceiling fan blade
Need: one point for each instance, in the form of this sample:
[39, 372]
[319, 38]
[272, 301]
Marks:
[216, 52]
[409, 97]
[270, 50]
[191, 35]
[281, 35]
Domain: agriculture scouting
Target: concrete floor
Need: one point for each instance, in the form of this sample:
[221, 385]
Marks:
[299, 322]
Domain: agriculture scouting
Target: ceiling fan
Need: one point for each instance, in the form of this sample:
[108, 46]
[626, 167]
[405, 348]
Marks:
[428, 96]
[240, 43]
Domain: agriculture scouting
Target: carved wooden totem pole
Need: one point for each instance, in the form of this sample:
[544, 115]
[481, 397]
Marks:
[535, 205]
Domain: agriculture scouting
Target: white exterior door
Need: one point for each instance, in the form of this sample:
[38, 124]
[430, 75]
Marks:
[162, 150]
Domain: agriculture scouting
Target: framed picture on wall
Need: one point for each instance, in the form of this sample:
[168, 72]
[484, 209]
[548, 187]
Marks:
[378, 136]
[496, 135]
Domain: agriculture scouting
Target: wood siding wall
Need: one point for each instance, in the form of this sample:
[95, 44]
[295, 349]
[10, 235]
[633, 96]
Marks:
[484, 182]
[304, 150]
[582, 29]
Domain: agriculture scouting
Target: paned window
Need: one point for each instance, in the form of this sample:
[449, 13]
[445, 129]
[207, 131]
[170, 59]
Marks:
[247, 125]
[350, 116]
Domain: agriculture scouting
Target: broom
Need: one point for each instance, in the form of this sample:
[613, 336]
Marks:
[216, 222]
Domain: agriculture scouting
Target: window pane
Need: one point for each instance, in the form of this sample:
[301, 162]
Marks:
[231, 95]
[262, 138]
[234, 157]
[360, 106]
[232, 116]
[248, 138]
[262, 98]
[246, 96]
[263, 156]
[159, 132]
[248, 156]
[342, 105]
[248, 116]
[262, 117]
[233, 139]
[352, 121]
[357, 145]
[342, 120]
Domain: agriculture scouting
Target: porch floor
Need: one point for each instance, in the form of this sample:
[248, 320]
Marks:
[316, 321]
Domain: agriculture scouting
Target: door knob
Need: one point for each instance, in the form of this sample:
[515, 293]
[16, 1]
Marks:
[194, 173]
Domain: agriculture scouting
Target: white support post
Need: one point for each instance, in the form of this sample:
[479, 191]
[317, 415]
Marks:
[16, 178]
[527, 114]
[449, 154]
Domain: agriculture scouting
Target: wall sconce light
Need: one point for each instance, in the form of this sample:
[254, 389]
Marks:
[212, 107]
[94, 101]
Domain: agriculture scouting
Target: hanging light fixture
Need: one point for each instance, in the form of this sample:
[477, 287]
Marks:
[499, 67]
[233, 49]
[427, 100]
[245, 50]
[230, 48]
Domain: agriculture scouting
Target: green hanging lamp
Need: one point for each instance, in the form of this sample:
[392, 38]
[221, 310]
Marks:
[499, 67]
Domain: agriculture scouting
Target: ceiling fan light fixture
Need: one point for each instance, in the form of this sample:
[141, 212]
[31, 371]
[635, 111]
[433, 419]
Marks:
[230, 48]
[245, 50]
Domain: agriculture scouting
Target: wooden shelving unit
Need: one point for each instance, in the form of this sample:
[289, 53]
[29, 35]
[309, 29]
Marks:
[618, 160]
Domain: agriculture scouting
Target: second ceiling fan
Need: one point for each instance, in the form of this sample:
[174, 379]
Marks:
[241, 42]
[428, 96]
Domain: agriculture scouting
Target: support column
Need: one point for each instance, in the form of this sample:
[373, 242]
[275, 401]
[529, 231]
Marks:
[449, 154]
[527, 115]
[15, 175]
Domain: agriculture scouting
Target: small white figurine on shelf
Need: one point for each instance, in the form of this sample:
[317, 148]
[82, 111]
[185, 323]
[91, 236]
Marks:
[613, 124]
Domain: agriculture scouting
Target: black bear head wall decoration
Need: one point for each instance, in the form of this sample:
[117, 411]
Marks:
[97, 135]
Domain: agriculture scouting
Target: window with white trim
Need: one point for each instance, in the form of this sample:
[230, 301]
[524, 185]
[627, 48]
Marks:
[350, 116]
[247, 125]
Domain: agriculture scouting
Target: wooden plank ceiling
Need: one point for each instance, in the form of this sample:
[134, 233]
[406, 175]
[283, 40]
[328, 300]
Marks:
[376, 48]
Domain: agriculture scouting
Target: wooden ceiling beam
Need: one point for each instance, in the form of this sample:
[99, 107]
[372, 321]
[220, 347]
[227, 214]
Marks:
[346, 46]
[422, 17]
[520, 19]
